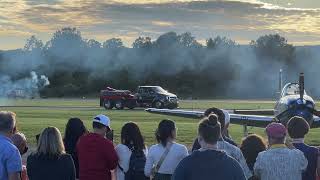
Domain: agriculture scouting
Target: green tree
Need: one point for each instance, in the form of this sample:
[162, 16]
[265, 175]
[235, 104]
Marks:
[93, 44]
[142, 42]
[33, 44]
[113, 43]
[273, 46]
[219, 42]
[187, 40]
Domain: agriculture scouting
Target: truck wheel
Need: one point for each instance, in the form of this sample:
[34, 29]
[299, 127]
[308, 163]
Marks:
[107, 104]
[132, 105]
[157, 104]
[119, 105]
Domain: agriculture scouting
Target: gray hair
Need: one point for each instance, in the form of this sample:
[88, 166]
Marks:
[7, 121]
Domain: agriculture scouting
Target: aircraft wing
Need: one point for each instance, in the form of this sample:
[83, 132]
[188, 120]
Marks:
[262, 112]
[241, 119]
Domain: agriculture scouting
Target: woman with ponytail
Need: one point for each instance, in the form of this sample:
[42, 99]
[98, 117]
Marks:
[163, 158]
[209, 162]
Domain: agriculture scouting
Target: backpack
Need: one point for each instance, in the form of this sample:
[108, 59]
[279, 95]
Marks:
[136, 166]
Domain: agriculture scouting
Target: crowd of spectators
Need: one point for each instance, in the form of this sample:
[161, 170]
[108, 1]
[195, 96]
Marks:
[85, 155]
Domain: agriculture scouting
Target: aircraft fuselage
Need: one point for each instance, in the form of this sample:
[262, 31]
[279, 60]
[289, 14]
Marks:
[295, 107]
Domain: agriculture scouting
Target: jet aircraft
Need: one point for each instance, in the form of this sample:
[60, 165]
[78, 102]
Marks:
[293, 101]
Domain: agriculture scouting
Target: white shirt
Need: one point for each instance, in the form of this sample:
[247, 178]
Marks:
[176, 154]
[124, 154]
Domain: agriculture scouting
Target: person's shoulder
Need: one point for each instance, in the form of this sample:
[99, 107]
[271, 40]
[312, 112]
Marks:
[65, 156]
[84, 138]
[32, 156]
[263, 154]
[10, 150]
[230, 147]
[154, 147]
[189, 159]
[121, 146]
[230, 141]
[179, 146]
[7, 146]
[296, 152]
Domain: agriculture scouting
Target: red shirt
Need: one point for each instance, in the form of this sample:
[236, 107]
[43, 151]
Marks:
[97, 157]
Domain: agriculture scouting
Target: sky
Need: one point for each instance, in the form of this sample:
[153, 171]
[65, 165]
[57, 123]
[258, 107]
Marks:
[240, 20]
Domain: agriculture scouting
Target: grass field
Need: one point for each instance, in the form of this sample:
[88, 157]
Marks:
[55, 112]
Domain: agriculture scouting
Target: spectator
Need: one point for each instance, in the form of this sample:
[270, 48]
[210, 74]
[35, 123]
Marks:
[230, 149]
[225, 132]
[10, 158]
[279, 162]
[74, 129]
[132, 153]
[163, 158]
[224, 119]
[208, 162]
[20, 141]
[297, 129]
[96, 154]
[50, 161]
[251, 146]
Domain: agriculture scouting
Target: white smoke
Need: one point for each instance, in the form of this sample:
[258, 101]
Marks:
[28, 87]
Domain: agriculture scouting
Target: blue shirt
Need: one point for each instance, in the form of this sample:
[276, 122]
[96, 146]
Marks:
[311, 153]
[208, 165]
[10, 159]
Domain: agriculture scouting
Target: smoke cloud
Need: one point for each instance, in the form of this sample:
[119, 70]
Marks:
[27, 87]
[76, 66]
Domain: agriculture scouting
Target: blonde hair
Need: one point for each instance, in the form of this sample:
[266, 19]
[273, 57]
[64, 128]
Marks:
[50, 142]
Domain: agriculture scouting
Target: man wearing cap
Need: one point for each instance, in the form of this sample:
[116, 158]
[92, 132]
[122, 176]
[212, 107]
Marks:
[279, 162]
[97, 156]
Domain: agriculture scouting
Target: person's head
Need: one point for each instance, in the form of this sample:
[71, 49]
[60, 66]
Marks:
[7, 123]
[298, 127]
[50, 142]
[220, 114]
[101, 124]
[74, 129]
[131, 136]
[20, 141]
[166, 131]
[251, 146]
[209, 130]
[276, 133]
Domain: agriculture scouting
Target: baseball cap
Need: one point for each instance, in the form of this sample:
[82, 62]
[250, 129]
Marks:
[102, 119]
[276, 130]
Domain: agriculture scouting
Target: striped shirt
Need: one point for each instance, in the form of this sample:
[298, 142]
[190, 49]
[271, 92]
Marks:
[280, 163]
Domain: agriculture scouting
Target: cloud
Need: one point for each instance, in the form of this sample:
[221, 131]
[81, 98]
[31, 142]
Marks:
[162, 23]
[241, 20]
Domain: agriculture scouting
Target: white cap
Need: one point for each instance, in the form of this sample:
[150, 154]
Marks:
[226, 117]
[102, 119]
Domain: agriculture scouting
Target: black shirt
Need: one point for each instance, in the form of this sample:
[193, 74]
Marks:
[208, 165]
[40, 167]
